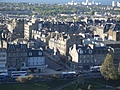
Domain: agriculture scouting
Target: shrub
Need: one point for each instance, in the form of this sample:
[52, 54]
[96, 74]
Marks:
[30, 77]
[21, 79]
[25, 79]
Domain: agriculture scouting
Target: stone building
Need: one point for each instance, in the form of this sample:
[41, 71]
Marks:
[3, 61]
[30, 25]
[36, 61]
[84, 56]
[18, 31]
[16, 56]
[65, 41]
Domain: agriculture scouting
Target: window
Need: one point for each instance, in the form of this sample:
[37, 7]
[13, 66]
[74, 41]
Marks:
[81, 51]
[23, 64]
[30, 53]
[90, 51]
[2, 60]
[80, 61]
[40, 53]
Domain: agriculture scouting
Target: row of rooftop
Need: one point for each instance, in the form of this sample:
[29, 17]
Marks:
[94, 37]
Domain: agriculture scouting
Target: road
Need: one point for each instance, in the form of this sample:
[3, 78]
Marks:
[55, 62]
[52, 64]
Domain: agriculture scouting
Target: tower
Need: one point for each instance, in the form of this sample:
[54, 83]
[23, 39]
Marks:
[87, 1]
[113, 3]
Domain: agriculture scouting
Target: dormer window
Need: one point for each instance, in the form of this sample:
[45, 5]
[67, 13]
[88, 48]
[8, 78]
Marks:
[90, 51]
[30, 53]
[81, 51]
[40, 53]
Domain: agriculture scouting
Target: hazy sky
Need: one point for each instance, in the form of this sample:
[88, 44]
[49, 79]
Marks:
[58, 1]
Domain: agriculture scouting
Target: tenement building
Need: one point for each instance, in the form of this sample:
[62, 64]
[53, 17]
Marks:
[17, 56]
[84, 56]
[36, 61]
[3, 60]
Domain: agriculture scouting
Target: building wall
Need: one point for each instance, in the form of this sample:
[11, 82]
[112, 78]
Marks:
[84, 56]
[3, 57]
[36, 61]
[74, 54]
[26, 31]
[86, 59]
[99, 58]
[100, 31]
[18, 31]
[17, 56]
[116, 36]
[64, 44]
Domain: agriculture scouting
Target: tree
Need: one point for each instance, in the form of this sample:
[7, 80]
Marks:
[119, 69]
[107, 69]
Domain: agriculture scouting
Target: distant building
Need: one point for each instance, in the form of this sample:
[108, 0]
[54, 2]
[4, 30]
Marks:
[3, 44]
[113, 4]
[3, 60]
[41, 36]
[84, 56]
[30, 25]
[18, 31]
[118, 4]
[115, 52]
[72, 3]
[65, 41]
[114, 32]
[100, 53]
[87, 2]
[36, 61]
[16, 56]
[53, 40]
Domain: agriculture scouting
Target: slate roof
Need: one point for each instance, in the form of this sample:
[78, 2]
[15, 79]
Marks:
[88, 50]
[14, 47]
[35, 53]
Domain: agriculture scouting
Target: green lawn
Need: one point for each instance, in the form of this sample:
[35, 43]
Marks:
[114, 83]
[53, 84]
[49, 85]
[30, 86]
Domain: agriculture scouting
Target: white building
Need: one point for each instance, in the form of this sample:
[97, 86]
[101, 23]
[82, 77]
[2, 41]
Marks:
[3, 61]
[113, 4]
[3, 57]
[36, 61]
[91, 3]
[118, 4]
[72, 3]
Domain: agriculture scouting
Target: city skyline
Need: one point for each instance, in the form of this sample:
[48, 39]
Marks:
[103, 2]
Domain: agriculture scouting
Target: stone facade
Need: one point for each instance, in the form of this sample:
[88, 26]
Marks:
[36, 61]
[3, 60]
[17, 56]
[86, 56]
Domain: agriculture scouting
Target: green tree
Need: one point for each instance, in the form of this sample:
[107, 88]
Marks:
[108, 69]
[119, 69]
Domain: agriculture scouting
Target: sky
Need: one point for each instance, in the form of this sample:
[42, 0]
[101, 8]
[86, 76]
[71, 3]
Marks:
[104, 2]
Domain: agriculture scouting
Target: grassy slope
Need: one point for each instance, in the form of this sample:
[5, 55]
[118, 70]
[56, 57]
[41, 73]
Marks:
[35, 86]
